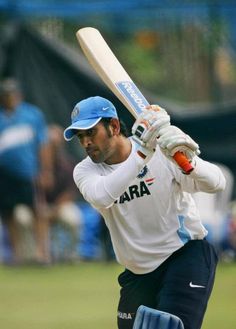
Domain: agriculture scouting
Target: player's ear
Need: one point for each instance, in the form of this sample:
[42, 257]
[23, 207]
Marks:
[115, 126]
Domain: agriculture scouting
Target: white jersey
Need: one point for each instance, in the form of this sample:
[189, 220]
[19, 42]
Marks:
[148, 208]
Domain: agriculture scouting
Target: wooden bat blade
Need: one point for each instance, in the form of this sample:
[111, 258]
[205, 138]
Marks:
[105, 63]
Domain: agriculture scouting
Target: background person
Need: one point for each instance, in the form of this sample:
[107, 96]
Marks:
[25, 167]
[146, 202]
[62, 209]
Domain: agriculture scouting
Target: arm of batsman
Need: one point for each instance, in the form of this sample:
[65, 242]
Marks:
[148, 125]
[173, 139]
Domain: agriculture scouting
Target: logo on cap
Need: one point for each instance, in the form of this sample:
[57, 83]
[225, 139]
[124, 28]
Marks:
[74, 113]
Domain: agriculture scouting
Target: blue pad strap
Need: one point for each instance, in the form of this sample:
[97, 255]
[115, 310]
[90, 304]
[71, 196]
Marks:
[149, 318]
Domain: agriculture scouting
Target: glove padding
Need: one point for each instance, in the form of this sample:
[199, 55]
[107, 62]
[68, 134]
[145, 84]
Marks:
[148, 125]
[143, 152]
[173, 139]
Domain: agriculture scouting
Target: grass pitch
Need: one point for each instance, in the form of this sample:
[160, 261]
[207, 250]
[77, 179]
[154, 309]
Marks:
[85, 296]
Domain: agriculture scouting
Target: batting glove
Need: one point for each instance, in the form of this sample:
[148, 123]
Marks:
[173, 139]
[148, 125]
[143, 152]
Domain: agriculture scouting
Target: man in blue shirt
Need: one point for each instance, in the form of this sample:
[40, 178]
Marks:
[25, 165]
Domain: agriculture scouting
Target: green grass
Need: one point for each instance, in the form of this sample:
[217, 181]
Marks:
[222, 305]
[85, 296]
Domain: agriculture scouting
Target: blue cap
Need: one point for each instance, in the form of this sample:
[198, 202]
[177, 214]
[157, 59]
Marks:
[87, 113]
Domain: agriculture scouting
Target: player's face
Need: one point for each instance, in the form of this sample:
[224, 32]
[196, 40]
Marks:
[98, 143]
[10, 100]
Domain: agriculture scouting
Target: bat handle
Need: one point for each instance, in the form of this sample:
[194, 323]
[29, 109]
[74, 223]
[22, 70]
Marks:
[183, 162]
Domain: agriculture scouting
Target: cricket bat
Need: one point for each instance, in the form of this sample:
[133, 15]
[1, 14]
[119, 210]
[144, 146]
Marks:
[110, 70]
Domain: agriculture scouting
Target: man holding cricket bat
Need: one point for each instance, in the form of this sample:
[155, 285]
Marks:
[145, 200]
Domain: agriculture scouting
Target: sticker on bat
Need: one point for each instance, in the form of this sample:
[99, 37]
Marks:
[133, 95]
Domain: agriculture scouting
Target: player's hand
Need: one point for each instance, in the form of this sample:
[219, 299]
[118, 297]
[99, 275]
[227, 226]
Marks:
[148, 125]
[173, 139]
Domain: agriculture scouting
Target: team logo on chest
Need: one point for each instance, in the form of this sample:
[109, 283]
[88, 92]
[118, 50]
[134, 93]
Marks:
[143, 172]
[138, 190]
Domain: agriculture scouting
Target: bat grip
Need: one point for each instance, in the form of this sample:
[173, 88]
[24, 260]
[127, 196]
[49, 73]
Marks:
[183, 162]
